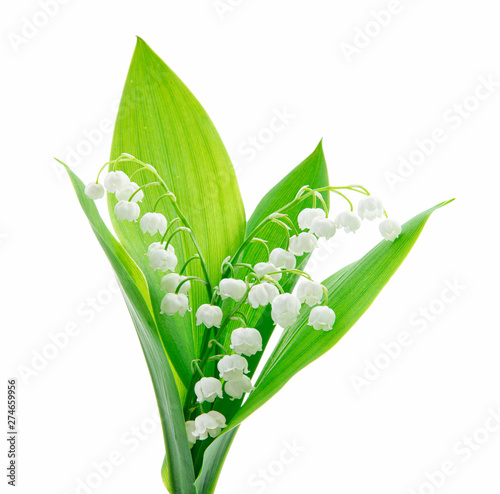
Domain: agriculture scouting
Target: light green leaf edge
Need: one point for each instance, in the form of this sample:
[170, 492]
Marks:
[179, 466]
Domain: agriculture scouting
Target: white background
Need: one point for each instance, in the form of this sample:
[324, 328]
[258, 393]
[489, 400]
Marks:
[91, 398]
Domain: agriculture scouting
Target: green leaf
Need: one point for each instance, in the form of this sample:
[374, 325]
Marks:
[178, 458]
[160, 122]
[351, 291]
[313, 172]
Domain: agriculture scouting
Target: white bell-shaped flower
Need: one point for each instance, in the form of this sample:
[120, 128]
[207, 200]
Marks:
[159, 258]
[237, 388]
[190, 428]
[264, 268]
[115, 181]
[390, 229]
[152, 223]
[209, 315]
[246, 341]
[310, 292]
[171, 281]
[125, 193]
[348, 221]
[322, 318]
[129, 211]
[174, 303]
[158, 245]
[304, 242]
[323, 228]
[94, 190]
[370, 207]
[232, 367]
[209, 424]
[262, 294]
[207, 389]
[282, 259]
[306, 217]
[231, 288]
[285, 309]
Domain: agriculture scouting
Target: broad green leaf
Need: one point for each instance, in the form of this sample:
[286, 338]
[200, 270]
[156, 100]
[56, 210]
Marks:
[178, 458]
[160, 122]
[313, 172]
[351, 291]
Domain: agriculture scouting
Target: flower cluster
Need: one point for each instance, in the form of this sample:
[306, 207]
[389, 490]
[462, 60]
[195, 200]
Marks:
[257, 286]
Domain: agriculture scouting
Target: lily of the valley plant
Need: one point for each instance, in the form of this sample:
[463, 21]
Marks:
[205, 288]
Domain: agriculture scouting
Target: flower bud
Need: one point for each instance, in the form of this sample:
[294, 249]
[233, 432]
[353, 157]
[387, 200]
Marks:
[152, 223]
[129, 211]
[304, 242]
[174, 303]
[263, 268]
[164, 260]
[209, 423]
[370, 207]
[171, 281]
[348, 221]
[262, 294]
[247, 341]
[390, 229]
[209, 315]
[310, 292]
[115, 181]
[323, 227]
[322, 318]
[285, 309]
[231, 288]
[306, 217]
[236, 389]
[94, 190]
[232, 367]
[282, 259]
[125, 193]
[190, 428]
[207, 389]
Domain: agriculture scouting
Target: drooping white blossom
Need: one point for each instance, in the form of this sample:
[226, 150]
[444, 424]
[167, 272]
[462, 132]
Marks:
[209, 424]
[285, 309]
[209, 315]
[94, 190]
[153, 223]
[115, 181]
[310, 292]
[125, 193]
[348, 220]
[129, 211]
[282, 259]
[190, 428]
[264, 268]
[158, 245]
[262, 294]
[238, 387]
[232, 367]
[246, 341]
[171, 281]
[174, 303]
[207, 389]
[390, 229]
[304, 242]
[159, 258]
[231, 288]
[323, 228]
[322, 318]
[370, 207]
[306, 217]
